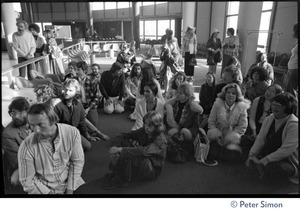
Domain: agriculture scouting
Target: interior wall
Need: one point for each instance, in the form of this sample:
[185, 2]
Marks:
[286, 17]
[203, 20]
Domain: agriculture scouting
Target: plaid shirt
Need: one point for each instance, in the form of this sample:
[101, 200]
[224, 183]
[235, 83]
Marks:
[92, 91]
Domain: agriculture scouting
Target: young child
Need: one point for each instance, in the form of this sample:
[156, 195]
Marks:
[141, 156]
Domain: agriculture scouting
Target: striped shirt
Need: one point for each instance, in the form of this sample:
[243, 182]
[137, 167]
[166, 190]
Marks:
[45, 167]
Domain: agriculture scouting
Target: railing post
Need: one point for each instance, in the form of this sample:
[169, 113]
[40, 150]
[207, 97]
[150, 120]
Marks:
[45, 66]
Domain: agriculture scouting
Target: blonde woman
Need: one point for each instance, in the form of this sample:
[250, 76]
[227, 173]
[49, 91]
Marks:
[190, 50]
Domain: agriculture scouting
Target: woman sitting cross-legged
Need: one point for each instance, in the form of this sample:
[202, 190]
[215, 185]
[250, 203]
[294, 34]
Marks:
[141, 156]
[150, 102]
[275, 152]
[227, 122]
[182, 117]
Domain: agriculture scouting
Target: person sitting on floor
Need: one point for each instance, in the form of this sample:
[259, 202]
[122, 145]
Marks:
[175, 81]
[230, 75]
[50, 159]
[267, 66]
[227, 122]
[13, 135]
[90, 93]
[233, 61]
[261, 108]
[71, 71]
[275, 151]
[112, 88]
[141, 156]
[45, 94]
[182, 116]
[257, 86]
[150, 102]
[131, 86]
[206, 98]
[70, 111]
[146, 78]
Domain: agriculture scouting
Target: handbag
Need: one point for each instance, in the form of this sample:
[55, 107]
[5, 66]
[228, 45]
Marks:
[201, 145]
[217, 57]
[211, 60]
[175, 152]
[193, 61]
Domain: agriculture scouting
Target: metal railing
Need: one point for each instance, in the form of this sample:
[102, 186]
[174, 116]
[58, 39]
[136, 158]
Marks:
[70, 52]
[43, 61]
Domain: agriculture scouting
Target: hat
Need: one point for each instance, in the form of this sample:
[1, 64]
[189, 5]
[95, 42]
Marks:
[215, 31]
[191, 27]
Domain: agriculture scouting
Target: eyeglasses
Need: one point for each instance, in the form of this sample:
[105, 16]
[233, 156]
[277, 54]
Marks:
[17, 113]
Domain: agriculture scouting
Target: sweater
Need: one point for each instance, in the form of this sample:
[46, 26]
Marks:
[24, 44]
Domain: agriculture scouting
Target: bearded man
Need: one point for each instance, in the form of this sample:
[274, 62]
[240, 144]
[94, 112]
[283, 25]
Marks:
[13, 135]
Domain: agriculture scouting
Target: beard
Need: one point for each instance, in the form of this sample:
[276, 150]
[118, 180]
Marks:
[17, 122]
[69, 97]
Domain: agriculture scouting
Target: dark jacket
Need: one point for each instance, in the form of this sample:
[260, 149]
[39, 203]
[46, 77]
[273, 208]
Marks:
[111, 87]
[153, 148]
[12, 138]
[75, 119]
[206, 97]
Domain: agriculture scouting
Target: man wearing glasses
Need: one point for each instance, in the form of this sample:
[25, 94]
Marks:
[13, 135]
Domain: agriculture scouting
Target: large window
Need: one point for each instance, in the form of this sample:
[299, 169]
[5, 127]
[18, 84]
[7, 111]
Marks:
[150, 30]
[264, 26]
[232, 14]
[155, 29]
[110, 5]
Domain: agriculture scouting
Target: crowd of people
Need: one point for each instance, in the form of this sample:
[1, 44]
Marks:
[253, 121]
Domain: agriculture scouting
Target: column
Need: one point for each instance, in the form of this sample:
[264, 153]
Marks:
[90, 20]
[249, 19]
[177, 32]
[188, 14]
[9, 23]
[136, 23]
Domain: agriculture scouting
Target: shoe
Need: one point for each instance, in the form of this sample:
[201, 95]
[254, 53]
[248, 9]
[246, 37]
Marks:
[211, 162]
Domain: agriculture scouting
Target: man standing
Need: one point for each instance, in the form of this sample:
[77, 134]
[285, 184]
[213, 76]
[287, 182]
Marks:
[13, 135]
[112, 88]
[24, 44]
[51, 159]
[70, 111]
